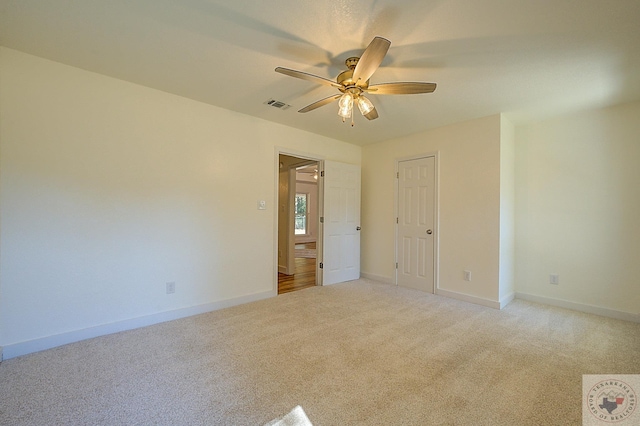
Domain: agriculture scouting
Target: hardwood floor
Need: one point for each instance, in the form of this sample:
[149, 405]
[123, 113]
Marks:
[304, 276]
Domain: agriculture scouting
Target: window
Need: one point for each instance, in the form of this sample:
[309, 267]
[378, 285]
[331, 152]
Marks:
[301, 203]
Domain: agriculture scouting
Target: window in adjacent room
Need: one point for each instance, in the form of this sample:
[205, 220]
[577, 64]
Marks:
[301, 203]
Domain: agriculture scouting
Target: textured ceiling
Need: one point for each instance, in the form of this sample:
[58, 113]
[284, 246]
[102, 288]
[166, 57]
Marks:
[529, 59]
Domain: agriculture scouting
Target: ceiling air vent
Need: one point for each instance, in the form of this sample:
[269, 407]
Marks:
[277, 104]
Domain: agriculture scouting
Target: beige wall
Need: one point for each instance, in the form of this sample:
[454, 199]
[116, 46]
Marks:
[109, 190]
[469, 205]
[578, 209]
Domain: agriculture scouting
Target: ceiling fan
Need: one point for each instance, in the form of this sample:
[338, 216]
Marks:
[354, 82]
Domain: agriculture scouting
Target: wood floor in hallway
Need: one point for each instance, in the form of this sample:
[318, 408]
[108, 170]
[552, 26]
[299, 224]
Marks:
[304, 275]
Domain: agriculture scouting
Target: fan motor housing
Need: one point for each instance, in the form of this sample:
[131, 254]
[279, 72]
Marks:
[345, 78]
[351, 62]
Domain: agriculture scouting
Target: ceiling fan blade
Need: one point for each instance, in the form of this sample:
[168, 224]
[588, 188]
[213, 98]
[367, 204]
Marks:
[401, 88]
[308, 77]
[371, 59]
[320, 103]
[372, 115]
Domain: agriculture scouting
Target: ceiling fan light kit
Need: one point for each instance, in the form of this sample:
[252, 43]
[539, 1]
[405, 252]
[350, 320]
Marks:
[364, 105]
[345, 106]
[353, 82]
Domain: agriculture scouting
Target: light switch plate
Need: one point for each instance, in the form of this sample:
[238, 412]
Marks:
[262, 205]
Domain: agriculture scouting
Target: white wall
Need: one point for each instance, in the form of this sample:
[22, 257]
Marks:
[469, 215]
[578, 209]
[109, 190]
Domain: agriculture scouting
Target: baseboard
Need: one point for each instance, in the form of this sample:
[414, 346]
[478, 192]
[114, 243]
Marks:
[378, 278]
[507, 299]
[589, 309]
[468, 298]
[40, 344]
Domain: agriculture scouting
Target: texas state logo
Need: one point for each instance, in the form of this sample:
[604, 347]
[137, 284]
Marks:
[610, 399]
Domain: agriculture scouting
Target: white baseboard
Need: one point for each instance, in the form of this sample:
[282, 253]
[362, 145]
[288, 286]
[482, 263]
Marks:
[450, 294]
[468, 298]
[379, 278]
[590, 309]
[48, 342]
[507, 299]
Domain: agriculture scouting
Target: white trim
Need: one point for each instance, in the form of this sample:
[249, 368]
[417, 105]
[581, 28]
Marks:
[291, 226]
[48, 342]
[378, 278]
[320, 229]
[305, 156]
[468, 298]
[436, 254]
[580, 307]
[507, 299]
[436, 216]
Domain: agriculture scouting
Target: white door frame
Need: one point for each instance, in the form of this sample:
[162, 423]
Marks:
[436, 225]
[305, 156]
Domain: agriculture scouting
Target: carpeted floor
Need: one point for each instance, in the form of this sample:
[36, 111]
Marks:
[354, 353]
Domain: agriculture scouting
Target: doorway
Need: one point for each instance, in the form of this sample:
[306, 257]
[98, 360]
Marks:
[298, 223]
[416, 240]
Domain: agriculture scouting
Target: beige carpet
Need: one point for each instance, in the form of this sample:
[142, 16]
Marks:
[353, 353]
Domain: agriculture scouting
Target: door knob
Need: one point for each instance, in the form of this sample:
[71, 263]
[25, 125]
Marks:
[429, 231]
[357, 228]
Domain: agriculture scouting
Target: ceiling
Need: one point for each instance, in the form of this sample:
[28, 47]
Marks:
[529, 59]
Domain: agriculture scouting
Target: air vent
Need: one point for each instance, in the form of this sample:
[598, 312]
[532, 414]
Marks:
[277, 104]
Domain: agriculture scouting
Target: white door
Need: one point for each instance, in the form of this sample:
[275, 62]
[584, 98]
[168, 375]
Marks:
[416, 223]
[341, 230]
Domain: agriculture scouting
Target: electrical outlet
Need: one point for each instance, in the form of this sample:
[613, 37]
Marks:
[467, 275]
[554, 279]
[171, 288]
[262, 205]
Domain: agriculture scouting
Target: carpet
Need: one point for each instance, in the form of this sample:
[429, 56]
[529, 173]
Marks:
[296, 417]
[360, 352]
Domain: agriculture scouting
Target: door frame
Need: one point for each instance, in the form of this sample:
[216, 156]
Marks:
[304, 156]
[436, 218]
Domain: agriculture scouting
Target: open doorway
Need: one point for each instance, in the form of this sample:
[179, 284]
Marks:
[298, 223]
